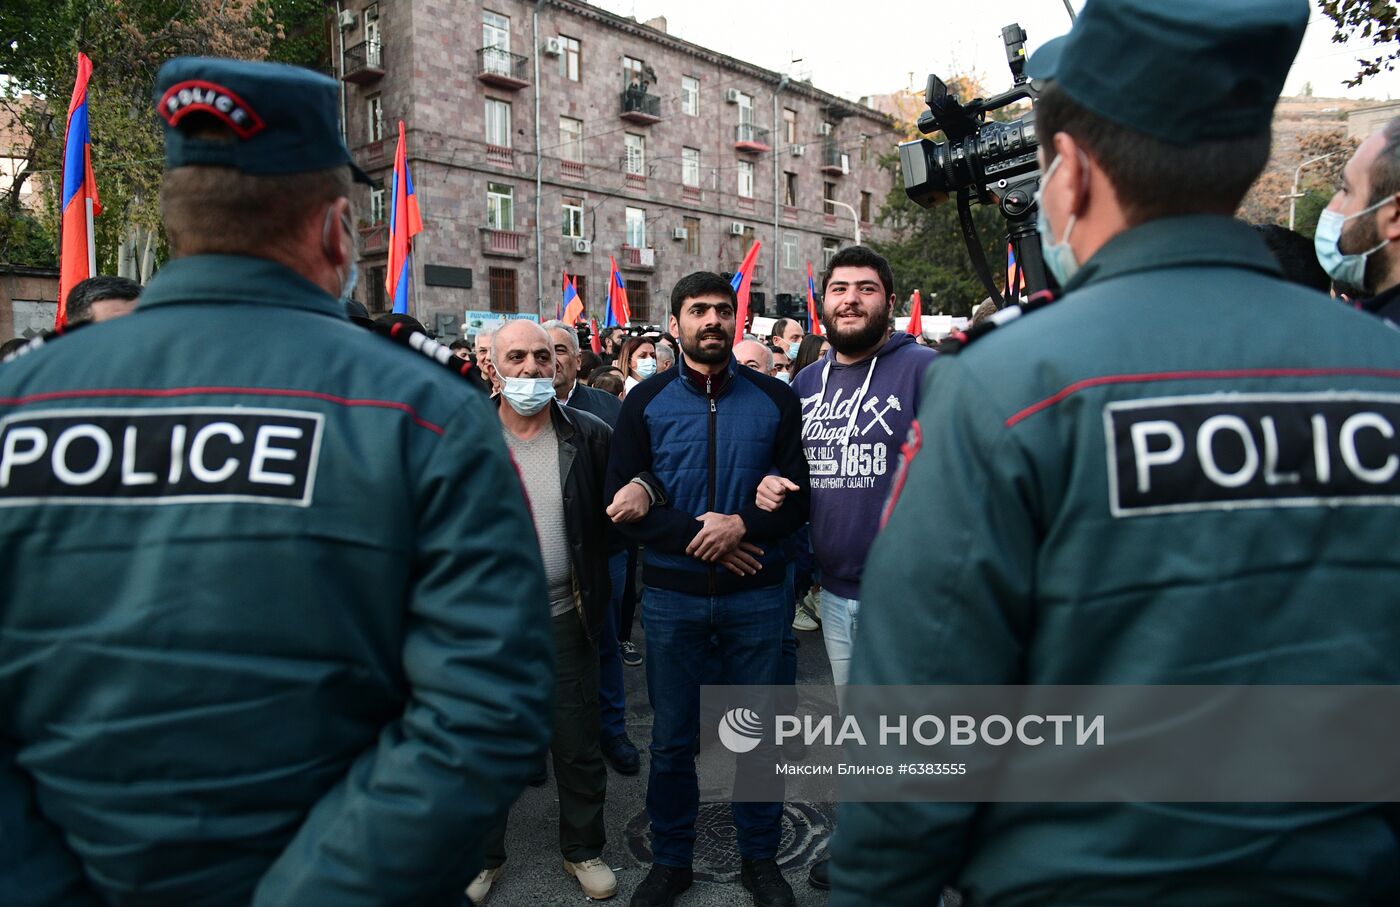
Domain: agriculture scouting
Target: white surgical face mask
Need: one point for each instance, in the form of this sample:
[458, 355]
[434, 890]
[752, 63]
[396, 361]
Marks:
[1059, 257]
[645, 367]
[784, 377]
[1349, 269]
[527, 396]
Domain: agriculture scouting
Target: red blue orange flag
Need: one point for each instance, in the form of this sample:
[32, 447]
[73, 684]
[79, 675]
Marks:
[618, 314]
[814, 322]
[595, 342]
[1013, 287]
[573, 303]
[916, 315]
[741, 281]
[78, 257]
[405, 222]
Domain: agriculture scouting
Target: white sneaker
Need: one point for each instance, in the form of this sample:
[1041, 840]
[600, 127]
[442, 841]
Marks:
[481, 885]
[594, 877]
[804, 621]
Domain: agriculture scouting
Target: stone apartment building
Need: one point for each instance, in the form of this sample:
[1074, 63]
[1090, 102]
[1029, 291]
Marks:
[544, 138]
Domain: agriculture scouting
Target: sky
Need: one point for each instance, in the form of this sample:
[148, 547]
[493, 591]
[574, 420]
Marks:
[888, 42]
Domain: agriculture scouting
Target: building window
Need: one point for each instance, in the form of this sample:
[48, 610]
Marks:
[495, 31]
[745, 109]
[498, 123]
[865, 207]
[828, 196]
[790, 123]
[692, 235]
[376, 205]
[690, 96]
[571, 60]
[374, 118]
[636, 229]
[502, 289]
[500, 206]
[374, 289]
[571, 139]
[790, 189]
[635, 160]
[372, 44]
[631, 72]
[746, 179]
[829, 249]
[690, 167]
[639, 300]
[791, 250]
[573, 217]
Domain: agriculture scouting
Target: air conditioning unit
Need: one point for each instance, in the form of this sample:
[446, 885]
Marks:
[582, 246]
[736, 229]
[799, 150]
[372, 12]
[646, 258]
[680, 233]
[731, 95]
[553, 47]
[347, 19]
[825, 130]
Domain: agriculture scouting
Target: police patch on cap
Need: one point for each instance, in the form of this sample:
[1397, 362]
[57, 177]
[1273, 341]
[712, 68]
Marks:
[193, 95]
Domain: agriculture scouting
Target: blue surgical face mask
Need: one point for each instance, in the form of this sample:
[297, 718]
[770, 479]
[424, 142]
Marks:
[645, 367]
[352, 276]
[1059, 257]
[793, 348]
[1349, 269]
[527, 396]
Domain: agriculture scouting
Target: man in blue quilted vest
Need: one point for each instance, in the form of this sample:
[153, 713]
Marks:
[708, 431]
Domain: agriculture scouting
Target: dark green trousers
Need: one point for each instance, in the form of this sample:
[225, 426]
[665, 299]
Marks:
[579, 770]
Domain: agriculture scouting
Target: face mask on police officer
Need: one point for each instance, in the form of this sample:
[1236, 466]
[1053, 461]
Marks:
[1059, 257]
[1344, 268]
[527, 396]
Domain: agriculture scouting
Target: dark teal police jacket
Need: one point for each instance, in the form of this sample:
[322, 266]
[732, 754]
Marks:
[273, 623]
[1186, 471]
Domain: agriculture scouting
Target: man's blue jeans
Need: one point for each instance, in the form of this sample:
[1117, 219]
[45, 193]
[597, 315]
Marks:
[748, 627]
[612, 696]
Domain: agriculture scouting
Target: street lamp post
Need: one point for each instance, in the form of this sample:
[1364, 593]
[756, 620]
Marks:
[854, 216]
[1297, 174]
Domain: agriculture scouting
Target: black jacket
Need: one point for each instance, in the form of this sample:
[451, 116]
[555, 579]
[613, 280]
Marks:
[584, 441]
[597, 403]
[1386, 304]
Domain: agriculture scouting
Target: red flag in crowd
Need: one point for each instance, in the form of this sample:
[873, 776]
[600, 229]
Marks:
[78, 253]
[405, 222]
[916, 315]
[573, 303]
[814, 322]
[594, 342]
[742, 279]
[618, 315]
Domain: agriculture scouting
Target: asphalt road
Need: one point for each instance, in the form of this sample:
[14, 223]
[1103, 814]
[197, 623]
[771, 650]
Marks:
[534, 869]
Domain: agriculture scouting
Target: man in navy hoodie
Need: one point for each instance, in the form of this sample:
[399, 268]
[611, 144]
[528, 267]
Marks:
[708, 432]
[858, 402]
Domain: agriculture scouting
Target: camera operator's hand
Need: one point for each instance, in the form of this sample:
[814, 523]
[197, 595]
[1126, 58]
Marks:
[772, 491]
[743, 561]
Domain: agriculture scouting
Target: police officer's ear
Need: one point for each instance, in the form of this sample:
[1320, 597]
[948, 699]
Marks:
[1068, 192]
[338, 234]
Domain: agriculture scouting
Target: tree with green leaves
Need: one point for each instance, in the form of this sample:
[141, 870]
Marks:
[127, 40]
[1378, 20]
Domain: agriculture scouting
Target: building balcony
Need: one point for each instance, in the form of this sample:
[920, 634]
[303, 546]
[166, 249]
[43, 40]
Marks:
[502, 242]
[573, 170]
[637, 181]
[374, 238]
[497, 154]
[373, 153]
[637, 259]
[640, 107]
[501, 68]
[760, 275]
[751, 138]
[364, 63]
[745, 203]
[834, 160]
[789, 213]
[691, 194]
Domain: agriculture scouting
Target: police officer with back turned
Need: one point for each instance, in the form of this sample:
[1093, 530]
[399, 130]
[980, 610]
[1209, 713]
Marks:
[1099, 492]
[273, 623]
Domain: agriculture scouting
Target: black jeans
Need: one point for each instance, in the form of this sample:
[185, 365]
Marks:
[578, 760]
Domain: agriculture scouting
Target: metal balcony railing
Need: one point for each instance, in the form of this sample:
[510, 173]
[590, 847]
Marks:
[364, 62]
[498, 65]
[640, 106]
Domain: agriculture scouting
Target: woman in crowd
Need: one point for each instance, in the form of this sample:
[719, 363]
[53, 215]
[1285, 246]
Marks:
[637, 361]
[813, 347]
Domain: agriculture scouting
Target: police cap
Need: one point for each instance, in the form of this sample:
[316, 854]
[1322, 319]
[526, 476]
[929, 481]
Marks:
[1183, 71]
[283, 118]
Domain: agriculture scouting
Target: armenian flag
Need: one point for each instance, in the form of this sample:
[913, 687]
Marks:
[405, 222]
[618, 314]
[814, 322]
[741, 281]
[573, 303]
[78, 254]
